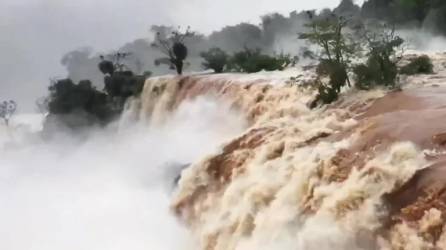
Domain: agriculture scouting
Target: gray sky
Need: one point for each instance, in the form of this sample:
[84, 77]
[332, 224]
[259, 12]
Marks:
[34, 34]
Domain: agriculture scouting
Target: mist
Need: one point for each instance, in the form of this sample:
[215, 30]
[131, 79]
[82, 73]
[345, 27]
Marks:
[276, 180]
[35, 34]
[110, 191]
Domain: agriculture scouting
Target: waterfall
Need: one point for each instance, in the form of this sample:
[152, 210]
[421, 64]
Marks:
[237, 162]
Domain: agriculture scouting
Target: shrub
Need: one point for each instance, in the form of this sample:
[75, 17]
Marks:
[76, 106]
[67, 98]
[215, 59]
[252, 60]
[337, 74]
[124, 84]
[418, 65]
[335, 71]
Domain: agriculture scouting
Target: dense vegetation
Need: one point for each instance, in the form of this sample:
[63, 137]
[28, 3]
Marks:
[247, 61]
[81, 100]
[380, 47]
[340, 35]
[79, 105]
[215, 59]
[253, 60]
[276, 33]
[382, 58]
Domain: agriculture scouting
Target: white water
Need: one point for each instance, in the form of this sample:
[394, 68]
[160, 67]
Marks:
[111, 192]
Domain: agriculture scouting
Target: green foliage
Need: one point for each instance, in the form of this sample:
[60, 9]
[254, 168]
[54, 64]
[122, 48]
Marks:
[67, 97]
[337, 74]
[418, 65]
[335, 71]
[79, 105]
[173, 47]
[124, 84]
[216, 59]
[382, 58]
[337, 48]
[252, 60]
[327, 33]
[119, 80]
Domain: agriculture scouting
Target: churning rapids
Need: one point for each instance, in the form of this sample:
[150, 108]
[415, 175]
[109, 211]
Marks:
[266, 172]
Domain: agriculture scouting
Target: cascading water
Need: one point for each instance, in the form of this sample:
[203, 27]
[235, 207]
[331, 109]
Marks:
[330, 178]
[264, 171]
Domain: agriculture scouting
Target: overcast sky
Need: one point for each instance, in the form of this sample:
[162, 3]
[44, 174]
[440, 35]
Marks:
[34, 34]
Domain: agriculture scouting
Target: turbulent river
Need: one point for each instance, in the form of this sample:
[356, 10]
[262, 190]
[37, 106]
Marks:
[259, 170]
[109, 192]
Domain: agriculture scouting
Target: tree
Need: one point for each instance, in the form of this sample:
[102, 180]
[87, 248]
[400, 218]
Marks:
[119, 80]
[215, 58]
[7, 110]
[106, 66]
[336, 51]
[173, 47]
[83, 99]
[327, 33]
[81, 105]
[115, 63]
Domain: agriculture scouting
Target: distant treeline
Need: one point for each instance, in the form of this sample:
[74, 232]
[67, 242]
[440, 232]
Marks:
[97, 87]
[427, 14]
[275, 34]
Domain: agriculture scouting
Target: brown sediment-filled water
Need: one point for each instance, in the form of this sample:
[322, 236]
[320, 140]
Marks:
[364, 173]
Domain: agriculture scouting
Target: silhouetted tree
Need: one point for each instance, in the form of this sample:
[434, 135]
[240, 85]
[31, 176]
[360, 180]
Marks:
[174, 48]
[66, 97]
[77, 106]
[215, 59]
[115, 63]
[119, 80]
[80, 105]
[106, 66]
[7, 110]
